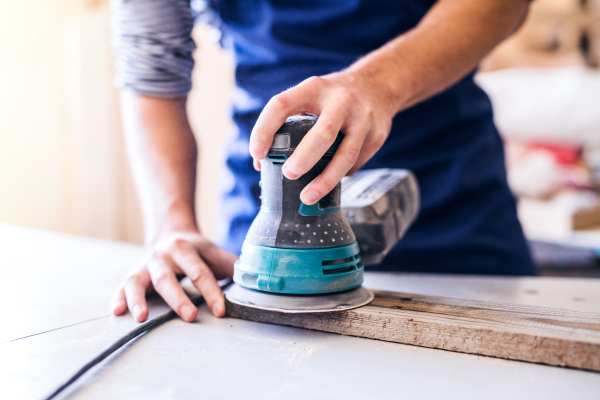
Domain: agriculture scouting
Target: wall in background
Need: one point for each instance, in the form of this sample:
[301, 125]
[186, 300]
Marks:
[34, 140]
[209, 105]
[62, 158]
[556, 33]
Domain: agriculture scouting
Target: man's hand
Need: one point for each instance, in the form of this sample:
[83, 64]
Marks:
[344, 102]
[177, 255]
[163, 154]
[362, 100]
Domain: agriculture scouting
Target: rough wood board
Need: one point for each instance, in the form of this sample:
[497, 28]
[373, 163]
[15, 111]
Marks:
[517, 332]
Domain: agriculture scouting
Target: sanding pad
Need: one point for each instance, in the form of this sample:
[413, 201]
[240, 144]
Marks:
[299, 303]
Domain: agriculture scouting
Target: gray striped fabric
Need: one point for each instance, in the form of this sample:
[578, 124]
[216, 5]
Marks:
[153, 46]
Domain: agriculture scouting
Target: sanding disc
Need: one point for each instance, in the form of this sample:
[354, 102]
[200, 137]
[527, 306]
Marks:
[299, 303]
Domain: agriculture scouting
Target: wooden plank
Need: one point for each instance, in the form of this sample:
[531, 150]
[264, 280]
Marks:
[511, 331]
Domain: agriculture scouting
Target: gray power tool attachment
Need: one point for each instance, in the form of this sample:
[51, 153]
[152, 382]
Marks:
[380, 205]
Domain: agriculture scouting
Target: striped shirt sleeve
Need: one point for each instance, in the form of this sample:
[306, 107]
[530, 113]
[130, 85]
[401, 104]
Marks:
[153, 46]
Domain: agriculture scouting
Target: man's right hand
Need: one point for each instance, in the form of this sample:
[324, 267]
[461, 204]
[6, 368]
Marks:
[176, 255]
[163, 155]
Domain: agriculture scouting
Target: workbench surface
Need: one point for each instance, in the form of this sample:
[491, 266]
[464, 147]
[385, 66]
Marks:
[55, 291]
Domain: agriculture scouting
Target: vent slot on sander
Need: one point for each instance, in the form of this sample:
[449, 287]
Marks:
[277, 159]
[340, 265]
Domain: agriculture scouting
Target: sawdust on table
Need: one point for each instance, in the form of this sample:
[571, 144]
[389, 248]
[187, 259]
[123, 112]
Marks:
[291, 354]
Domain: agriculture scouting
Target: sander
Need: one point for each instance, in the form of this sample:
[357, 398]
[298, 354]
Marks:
[301, 258]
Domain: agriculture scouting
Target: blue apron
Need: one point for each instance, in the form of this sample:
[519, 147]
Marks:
[468, 221]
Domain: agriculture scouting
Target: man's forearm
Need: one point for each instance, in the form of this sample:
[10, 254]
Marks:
[447, 44]
[163, 155]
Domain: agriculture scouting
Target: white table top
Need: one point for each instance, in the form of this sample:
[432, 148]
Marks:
[54, 300]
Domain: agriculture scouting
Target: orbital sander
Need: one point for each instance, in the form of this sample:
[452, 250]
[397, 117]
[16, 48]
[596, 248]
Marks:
[310, 258]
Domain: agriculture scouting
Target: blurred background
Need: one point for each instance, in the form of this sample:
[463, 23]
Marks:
[62, 158]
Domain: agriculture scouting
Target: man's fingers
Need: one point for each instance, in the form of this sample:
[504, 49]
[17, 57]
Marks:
[316, 142]
[375, 139]
[344, 158]
[187, 258]
[135, 293]
[166, 284]
[301, 98]
[119, 303]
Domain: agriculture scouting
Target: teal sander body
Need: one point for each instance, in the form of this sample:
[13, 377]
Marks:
[291, 247]
[301, 253]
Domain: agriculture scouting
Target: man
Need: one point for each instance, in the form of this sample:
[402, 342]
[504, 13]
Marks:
[394, 76]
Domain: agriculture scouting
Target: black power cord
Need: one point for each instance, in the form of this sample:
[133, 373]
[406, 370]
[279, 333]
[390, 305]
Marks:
[145, 327]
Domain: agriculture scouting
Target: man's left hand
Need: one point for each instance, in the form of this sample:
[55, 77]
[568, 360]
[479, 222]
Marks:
[343, 102]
